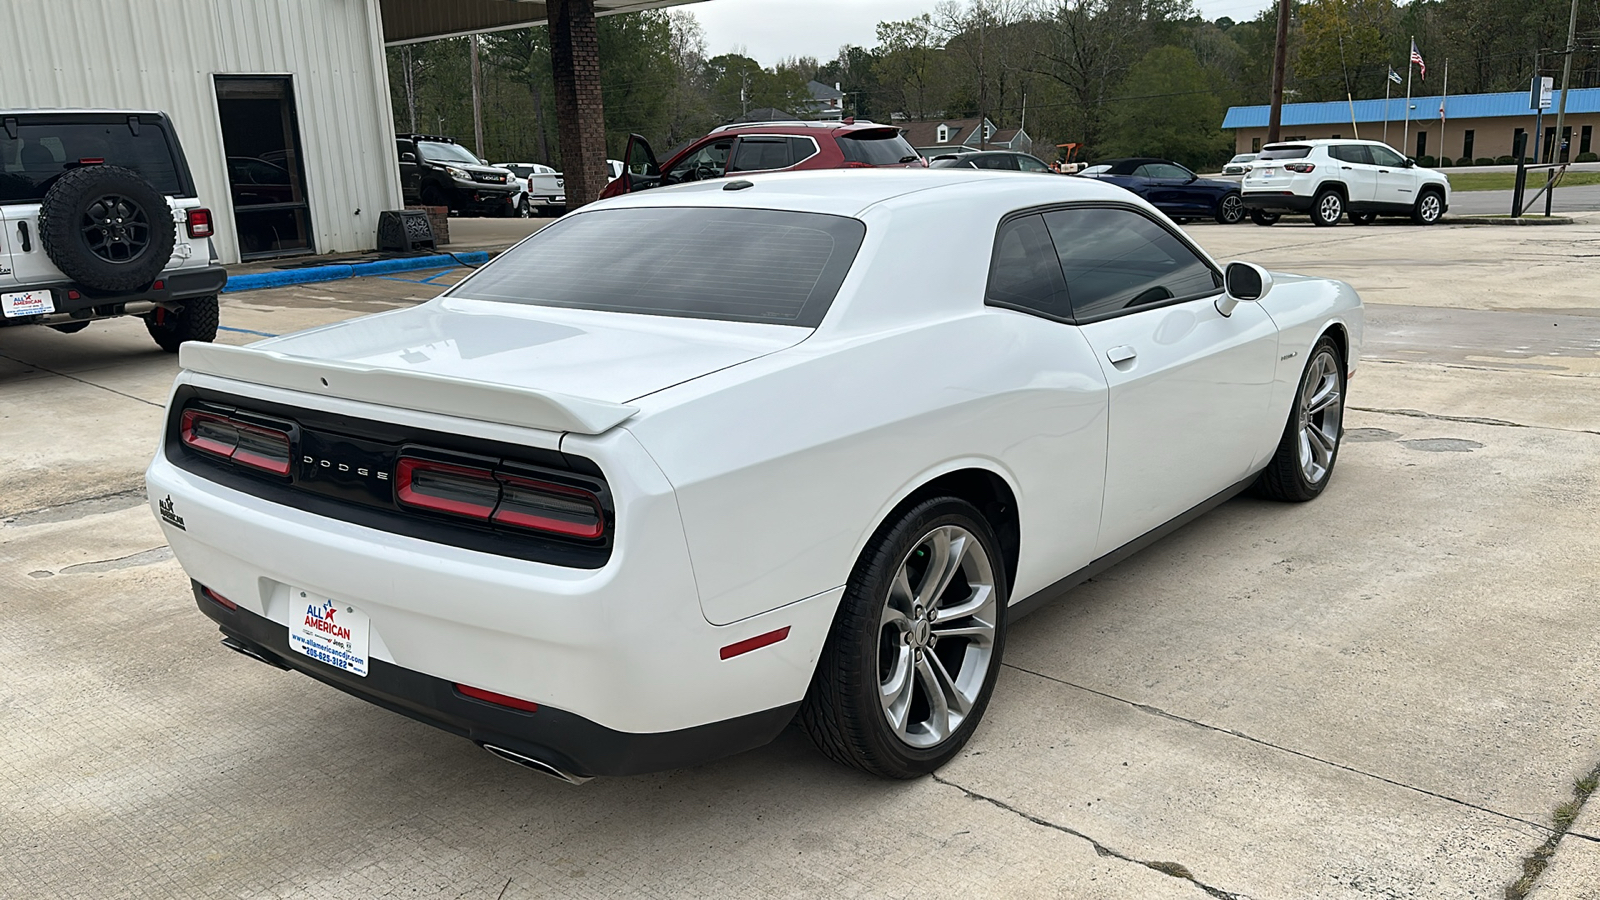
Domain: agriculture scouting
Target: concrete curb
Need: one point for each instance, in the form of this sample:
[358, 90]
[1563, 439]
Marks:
[256, 281]
[1505, 220]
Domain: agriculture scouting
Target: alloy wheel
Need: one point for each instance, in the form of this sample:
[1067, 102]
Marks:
[116, 228]
[1321, 417]
[936, 636]
[1330, 208]
[1429, 207]
[1232, 209]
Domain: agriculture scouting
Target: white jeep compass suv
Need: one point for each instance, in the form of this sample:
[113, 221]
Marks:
[1330, 178]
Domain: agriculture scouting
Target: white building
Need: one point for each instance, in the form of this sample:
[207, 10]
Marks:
[282, 106]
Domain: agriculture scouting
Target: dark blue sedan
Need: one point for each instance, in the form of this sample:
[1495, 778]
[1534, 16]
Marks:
[1173, 189]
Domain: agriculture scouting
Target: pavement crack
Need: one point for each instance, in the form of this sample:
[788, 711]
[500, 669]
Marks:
[82, 381]
[142, 558]
[76, 509]
[1157, 711]
[1534, 864]
[1172, 869]
[1470, 420]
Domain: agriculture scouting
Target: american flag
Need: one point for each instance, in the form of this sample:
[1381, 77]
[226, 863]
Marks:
[1416, 60]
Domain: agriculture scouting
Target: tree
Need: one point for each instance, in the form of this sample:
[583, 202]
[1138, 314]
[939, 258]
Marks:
[1345, 45]
[1169, 108]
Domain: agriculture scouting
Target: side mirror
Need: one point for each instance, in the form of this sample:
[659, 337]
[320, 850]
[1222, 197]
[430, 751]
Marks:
[1410, 163]
[408, 157]
[1244, 283]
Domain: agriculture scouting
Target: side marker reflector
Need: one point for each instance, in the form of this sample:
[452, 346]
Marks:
[218, 598]
[497, 699]
[755, 643]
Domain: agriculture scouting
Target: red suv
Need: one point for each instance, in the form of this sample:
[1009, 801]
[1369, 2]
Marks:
[766, 147]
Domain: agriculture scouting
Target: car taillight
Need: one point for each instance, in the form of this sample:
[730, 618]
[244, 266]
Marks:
[263, 449]
[217, 598]
[443, 488]
[1302, 168]
[500, 497]
[497, 699]
[541, 506]
[200, 223]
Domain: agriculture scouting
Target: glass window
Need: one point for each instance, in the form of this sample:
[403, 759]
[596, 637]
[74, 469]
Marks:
[1029, 164]
[708, 161]
[1096, 170]
[434, 151]
[31, 162]
[995, 161]
[1165, 171]
[876, 148]
[1025, 272]
[757, 154]
[1283, 151]
[1383, 156]
[739, 265]
[1351, 153]
[1116, 259]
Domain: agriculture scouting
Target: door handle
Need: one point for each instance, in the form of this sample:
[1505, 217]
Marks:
[1122, 354]
[1346, 168]
[1383, 171]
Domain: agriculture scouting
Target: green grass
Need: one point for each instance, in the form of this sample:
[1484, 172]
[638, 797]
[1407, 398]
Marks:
[1505, 181]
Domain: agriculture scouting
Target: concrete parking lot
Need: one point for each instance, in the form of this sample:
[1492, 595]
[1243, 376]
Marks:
[1389, 692]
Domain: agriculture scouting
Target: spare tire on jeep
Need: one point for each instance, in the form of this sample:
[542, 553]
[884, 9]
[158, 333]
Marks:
[106, 228]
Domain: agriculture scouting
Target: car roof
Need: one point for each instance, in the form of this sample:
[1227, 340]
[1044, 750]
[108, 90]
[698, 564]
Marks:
[851, 192]
[1323, 142]
[81, 111]
[790, 125]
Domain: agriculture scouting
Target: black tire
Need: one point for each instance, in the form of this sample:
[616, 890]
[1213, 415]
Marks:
[1262, 217]
[1327, 208]
[523, 210]
[1230, 209]
[1429, 207]
[1362, 218]
[842, 711]
[1286, 477]
[433, 195]
[106, 228]
[195, 321]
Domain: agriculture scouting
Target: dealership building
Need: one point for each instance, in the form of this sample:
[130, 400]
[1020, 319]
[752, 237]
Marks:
[282, 106]
[1476, 126]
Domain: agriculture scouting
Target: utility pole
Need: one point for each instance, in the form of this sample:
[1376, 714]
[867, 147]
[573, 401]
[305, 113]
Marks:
[1566, 75]
[477, 103]
[1280, 60]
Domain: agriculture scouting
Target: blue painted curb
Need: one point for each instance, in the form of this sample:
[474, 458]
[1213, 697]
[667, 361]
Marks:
[255, 281]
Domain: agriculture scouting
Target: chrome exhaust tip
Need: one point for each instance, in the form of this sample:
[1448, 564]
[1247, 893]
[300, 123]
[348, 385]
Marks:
[237, 647]
[537, 765]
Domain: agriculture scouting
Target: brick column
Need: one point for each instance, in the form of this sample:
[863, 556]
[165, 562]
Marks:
[580, 115]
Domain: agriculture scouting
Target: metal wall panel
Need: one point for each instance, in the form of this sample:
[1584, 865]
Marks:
[162, 54]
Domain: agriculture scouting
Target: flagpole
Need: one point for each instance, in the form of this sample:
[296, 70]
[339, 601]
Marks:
[1442, 101]
[1387, 82]
[1405, 135]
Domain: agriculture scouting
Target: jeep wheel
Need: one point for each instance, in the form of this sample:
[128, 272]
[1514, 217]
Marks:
[1328, 207]
[1430, 206]
[106, 228]
[195, 321]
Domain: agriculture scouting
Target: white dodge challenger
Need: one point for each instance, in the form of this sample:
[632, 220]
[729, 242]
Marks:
[692, 463]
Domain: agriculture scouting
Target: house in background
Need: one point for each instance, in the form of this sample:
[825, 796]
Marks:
[932, 138]
[827, 103]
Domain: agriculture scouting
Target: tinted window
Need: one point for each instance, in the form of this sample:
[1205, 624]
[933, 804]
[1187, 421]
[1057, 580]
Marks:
[40, 153]
[997, 161]
[753, 154]
[434, 151]
[1116, 259]
[1166, 170]
[1351, 153]
[708, 161]
[1383, 156]
[740, 265]
[1025, 273]
[1029, 164]
[951, 162]
[876, 148]
[1284, 151]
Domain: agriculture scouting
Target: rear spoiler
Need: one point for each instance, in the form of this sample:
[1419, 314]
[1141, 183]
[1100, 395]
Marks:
[443, 394]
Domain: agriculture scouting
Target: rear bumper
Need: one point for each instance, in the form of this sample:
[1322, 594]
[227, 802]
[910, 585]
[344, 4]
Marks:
[1276, 201]
[568, 741]
[176, 286]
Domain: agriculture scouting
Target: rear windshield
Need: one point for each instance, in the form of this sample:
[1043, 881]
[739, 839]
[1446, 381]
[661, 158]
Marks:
[738, 265]
[1288, 151]
[31, 162]
[876, 148]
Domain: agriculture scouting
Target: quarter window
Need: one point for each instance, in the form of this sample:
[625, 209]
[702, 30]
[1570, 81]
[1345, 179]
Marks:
[1116, 260]
[1025, 273]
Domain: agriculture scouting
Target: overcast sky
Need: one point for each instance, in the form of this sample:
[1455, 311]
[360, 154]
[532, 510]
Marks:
[769, 30]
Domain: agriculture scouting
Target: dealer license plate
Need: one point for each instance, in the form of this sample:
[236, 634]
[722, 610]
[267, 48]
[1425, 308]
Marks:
[328, 631]
[26, 303]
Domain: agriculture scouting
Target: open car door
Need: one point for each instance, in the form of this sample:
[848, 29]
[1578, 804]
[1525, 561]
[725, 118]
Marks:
[640, 170]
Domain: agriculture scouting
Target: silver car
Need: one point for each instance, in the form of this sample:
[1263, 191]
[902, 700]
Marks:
[1240, 164]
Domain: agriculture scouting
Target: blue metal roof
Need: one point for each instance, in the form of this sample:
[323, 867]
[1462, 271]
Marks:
[1463, 106]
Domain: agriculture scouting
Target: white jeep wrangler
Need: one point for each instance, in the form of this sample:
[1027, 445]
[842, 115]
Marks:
[99, 218]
